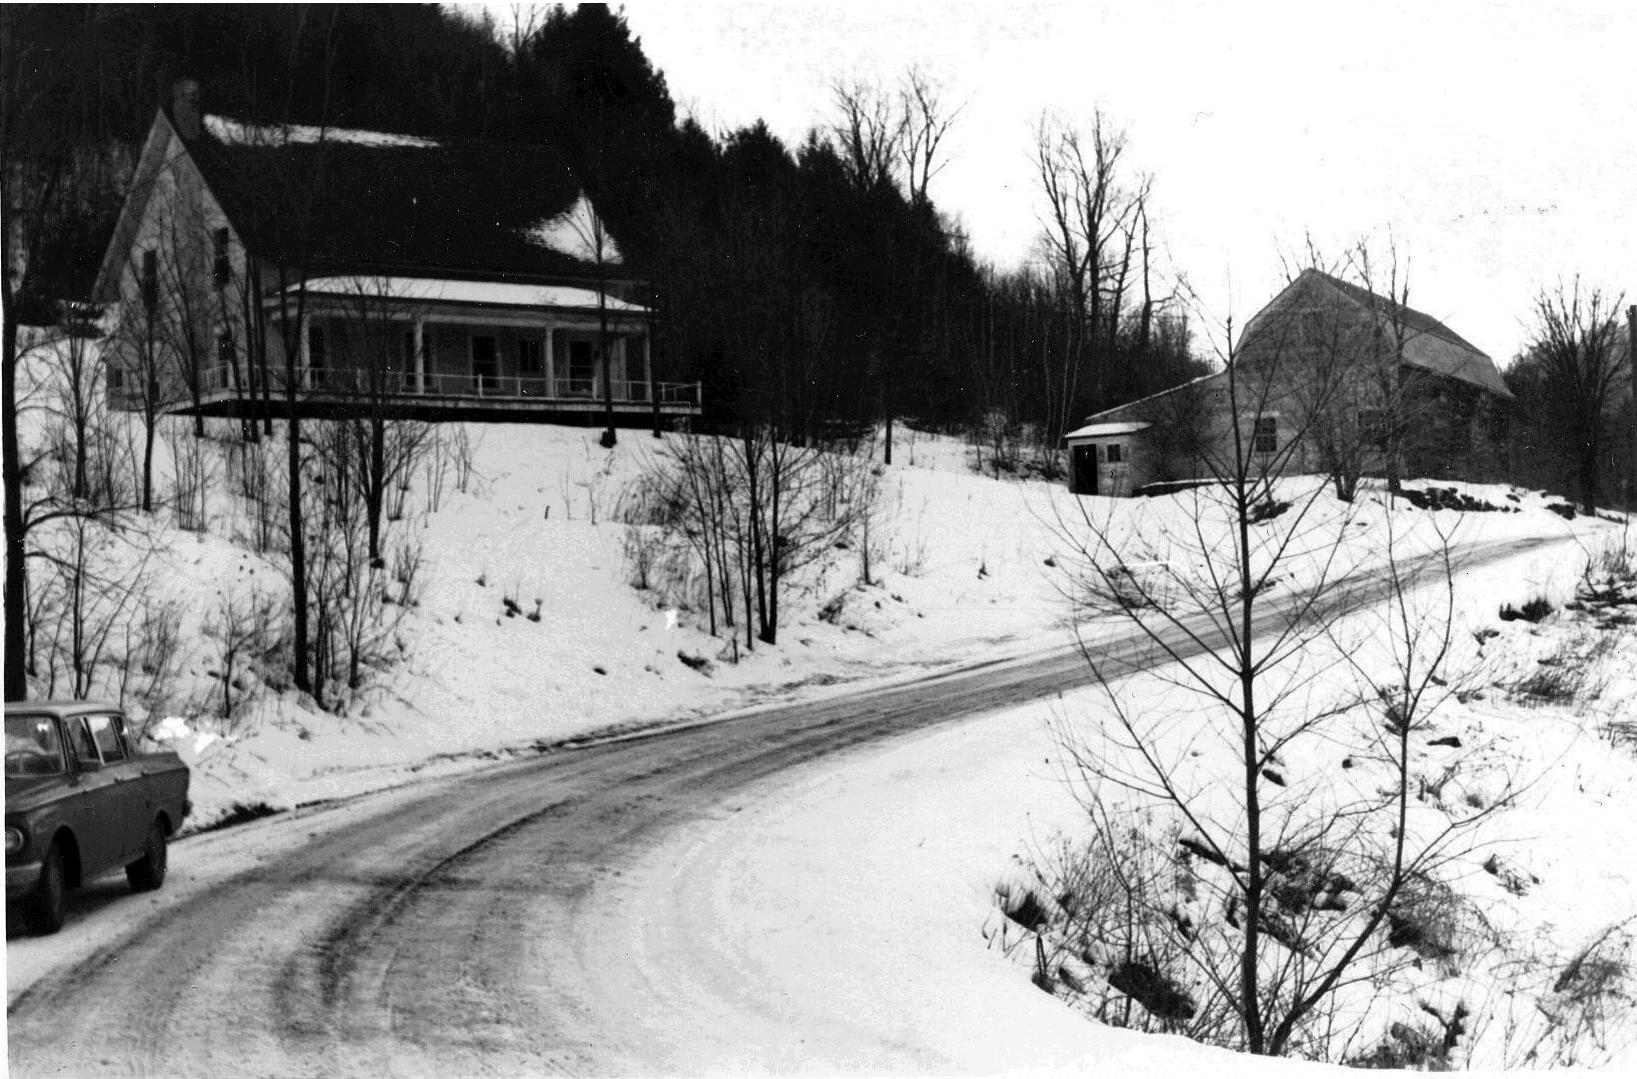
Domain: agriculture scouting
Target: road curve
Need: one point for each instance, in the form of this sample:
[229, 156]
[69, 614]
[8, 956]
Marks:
[439, 931]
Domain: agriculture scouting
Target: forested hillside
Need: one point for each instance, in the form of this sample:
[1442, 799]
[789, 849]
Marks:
[818, 282]
[819, 286]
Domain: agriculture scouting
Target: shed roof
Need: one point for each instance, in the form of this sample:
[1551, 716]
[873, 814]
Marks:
[1107, 430]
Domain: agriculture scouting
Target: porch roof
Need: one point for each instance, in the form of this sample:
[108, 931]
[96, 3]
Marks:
[1106, 430]
[485, 293]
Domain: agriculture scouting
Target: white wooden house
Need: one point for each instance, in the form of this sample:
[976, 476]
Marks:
[439, 279]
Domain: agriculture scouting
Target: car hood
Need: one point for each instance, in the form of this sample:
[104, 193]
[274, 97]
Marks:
[26, 792]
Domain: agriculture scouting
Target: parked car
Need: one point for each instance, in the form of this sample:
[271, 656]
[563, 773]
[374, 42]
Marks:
[81, 801]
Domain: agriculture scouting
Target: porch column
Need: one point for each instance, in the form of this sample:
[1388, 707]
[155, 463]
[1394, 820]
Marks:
[304, 371]
[551, 360]
[648, 375]
[419, 346]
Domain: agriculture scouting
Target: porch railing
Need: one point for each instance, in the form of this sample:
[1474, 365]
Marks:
[361, 382]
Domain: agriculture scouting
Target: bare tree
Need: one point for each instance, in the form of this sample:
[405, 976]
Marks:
[1273, 891]
[925, 123]
[145, 365]
[373, 353]
[870, 131]
[54, 165]
[244, 628]
[593, 243]
[1088, 211]
[1575, 344]
[752, 511]
[95, 581]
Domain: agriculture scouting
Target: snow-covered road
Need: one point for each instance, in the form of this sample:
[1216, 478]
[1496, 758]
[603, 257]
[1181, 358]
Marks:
[617, 908]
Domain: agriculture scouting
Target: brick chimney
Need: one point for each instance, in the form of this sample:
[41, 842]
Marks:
[185, 109]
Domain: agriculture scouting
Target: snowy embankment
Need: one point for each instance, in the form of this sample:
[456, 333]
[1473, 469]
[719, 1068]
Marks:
[528, 628]
[855, 889]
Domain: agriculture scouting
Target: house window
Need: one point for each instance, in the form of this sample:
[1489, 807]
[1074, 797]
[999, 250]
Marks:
[582, 369]
[224, 355]
[410, 380]
[150, 280]
[318, 355]
[221, 270]
[485, 363]
[116, 379]
[1266, 436]
[531, 358]
[1116, 453]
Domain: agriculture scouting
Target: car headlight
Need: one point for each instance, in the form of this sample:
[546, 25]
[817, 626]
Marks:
[14, 840]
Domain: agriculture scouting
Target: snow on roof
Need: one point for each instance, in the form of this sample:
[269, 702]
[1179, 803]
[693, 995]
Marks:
[1194, 382]
[577, 232]
[497, 293]
[239, 133]
[1106, 430]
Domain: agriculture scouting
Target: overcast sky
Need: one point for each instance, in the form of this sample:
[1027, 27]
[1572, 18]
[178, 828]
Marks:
[1497, 141]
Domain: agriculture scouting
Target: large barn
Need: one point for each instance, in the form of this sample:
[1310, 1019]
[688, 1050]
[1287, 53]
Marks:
[1327, 376]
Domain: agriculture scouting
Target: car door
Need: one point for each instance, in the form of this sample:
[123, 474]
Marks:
[128, 793]
[95, 818]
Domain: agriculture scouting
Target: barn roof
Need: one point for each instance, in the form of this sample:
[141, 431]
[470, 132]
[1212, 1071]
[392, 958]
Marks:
[1428, 343]
[361, 201]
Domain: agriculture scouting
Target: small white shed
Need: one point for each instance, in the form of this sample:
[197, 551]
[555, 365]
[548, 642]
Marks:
[1101, 457]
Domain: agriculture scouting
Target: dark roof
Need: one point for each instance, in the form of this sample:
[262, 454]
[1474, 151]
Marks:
[1412, 320]
[451, 208]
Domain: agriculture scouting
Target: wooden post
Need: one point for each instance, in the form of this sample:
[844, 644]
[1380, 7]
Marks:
[551, 361]
[648, 373]
[419, 346]
[303, 351]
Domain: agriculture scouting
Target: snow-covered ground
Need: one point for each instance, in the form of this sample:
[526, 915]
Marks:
[529, 630]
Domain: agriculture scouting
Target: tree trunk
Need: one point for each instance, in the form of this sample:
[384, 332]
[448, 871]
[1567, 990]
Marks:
[377, 484]
[16, 678]
[1249, 981]
[150, 420]
[609, 438]
[298, 543]
[1590, 451]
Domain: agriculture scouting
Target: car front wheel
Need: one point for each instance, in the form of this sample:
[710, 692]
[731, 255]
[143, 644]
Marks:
[47, 907]
[148, 872]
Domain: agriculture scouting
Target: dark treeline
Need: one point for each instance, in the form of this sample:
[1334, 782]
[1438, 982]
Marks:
[817, 285]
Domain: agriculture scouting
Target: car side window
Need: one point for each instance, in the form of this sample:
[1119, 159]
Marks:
[80, 741]
[105, 729]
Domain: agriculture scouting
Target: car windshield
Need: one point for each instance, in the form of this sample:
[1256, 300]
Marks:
[32, 746]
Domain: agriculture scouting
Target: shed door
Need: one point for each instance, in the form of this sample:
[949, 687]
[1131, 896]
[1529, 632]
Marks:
[1083, 469]
[1114, 469]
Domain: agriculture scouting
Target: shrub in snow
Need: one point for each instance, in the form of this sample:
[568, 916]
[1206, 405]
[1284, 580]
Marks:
[1535, 610]
[738, 521]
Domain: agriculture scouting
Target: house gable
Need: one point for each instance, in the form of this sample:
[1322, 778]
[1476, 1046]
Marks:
[437, 280]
